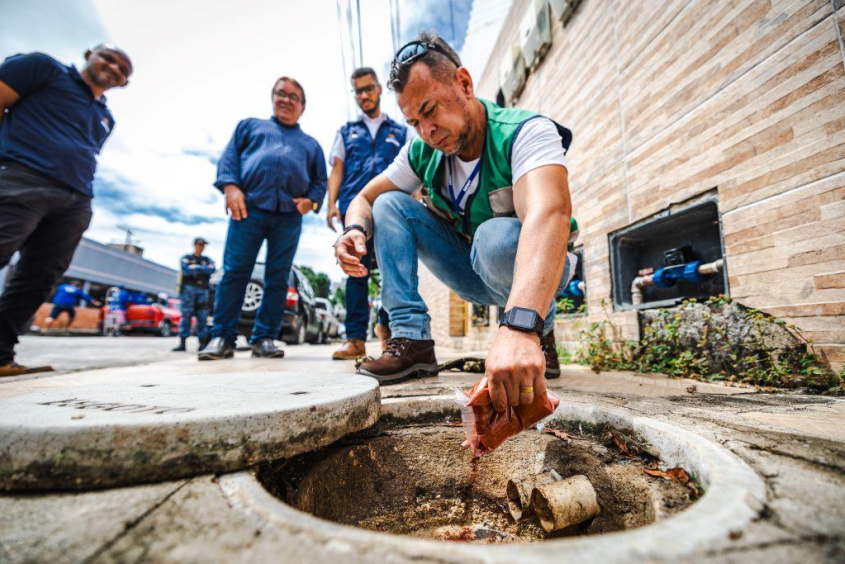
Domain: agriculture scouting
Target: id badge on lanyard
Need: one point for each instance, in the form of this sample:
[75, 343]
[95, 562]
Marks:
[456, 199]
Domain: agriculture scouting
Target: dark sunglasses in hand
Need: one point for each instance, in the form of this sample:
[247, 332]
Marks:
[412, 51]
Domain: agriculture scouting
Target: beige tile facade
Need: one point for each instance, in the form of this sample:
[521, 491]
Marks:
[671, 99]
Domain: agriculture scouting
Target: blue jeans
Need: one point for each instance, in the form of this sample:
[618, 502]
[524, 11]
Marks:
[480, 272]
[243, 240]
[358, 300]
[194, 304]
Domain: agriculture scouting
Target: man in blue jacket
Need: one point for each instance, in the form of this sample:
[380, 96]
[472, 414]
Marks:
[272, 174]
[196, 270]
[53, 123]
[362, 150]
[67, 298]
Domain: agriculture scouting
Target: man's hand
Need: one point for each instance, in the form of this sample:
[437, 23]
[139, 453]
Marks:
[303, 205]
[515, 364]
[333, 214]
[97, 303]
[348, 250]
[235, 201]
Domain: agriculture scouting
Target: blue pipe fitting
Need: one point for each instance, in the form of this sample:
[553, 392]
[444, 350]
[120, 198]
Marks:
[691, 272]
[669, 276]
[572, 289]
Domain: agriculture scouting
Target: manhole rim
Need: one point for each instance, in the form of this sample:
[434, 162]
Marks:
[734, 496]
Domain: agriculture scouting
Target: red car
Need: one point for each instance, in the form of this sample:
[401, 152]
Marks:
[161, 317]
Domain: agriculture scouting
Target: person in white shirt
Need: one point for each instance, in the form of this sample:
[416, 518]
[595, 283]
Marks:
[362, 149]
[494, 228]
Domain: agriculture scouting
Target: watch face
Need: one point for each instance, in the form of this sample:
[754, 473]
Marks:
[523, 318]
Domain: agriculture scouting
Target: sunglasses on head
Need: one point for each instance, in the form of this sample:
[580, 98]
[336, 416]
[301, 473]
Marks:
[412, 51]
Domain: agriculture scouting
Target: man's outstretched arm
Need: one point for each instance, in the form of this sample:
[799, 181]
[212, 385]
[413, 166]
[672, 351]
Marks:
[543, 205]
[353, 245]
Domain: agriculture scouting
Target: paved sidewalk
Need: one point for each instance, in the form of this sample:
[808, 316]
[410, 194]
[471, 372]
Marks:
[795, 442]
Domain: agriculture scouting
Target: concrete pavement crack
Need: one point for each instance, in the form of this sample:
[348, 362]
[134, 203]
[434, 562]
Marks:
[816, 539]
[134, 523]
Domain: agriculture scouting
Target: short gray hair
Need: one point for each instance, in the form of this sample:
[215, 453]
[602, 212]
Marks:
[442, 66]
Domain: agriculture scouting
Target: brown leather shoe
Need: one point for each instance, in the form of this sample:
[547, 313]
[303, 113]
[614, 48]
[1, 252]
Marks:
[549, 346]
[351, 349]
[15, 369]
[402, 359]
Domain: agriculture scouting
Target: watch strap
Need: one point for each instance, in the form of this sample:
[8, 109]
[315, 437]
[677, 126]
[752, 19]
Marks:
[506, 318]
[356, 227]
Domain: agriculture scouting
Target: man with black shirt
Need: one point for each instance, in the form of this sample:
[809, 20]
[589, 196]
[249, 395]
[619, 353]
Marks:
[196, 270]
[53, 123]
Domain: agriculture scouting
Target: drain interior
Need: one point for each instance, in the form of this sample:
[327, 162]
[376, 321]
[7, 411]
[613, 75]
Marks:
[416, 480]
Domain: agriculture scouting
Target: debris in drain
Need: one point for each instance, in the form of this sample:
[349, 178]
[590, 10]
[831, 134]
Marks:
[519, 493]
[619, 442]
[565, 503]
[486, 428]
[467, 364]
[562, 435]
[678, 474]
[415, 481]
[476, 533]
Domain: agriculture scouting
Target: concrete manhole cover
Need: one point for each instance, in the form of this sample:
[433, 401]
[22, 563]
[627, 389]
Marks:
[134, 429]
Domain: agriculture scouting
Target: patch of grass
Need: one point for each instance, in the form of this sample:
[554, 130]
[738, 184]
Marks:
[660, 350]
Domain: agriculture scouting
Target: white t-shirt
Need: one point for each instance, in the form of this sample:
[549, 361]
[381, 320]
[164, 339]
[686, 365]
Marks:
[538, 144]
[338, 148]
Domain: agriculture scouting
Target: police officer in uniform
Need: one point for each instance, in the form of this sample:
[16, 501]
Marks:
[362, 150]
[196, 270]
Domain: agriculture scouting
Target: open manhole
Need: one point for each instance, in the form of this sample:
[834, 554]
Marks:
[415, 479]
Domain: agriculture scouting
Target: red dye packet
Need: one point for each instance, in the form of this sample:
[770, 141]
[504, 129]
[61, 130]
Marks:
[486, 428]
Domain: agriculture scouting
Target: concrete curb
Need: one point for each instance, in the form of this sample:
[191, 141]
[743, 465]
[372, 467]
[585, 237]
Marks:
[734, 496]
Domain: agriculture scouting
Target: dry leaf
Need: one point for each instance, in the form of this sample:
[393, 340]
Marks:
[620, 444]
[562, 435]
[677, 474]
[692, 389]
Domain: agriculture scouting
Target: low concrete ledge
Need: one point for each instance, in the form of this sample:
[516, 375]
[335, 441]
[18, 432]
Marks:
[734, 496]
[133, 429]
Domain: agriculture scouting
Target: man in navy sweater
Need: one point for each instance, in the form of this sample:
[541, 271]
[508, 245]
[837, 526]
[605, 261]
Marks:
[272, 174]
[53, 123]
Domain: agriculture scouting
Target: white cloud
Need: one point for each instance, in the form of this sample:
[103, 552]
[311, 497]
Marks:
[200, 67]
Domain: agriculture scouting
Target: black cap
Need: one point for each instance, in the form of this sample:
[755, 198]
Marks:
[200, 240]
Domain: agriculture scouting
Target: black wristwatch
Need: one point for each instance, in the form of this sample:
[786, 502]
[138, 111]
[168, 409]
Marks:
[356, 227]
[522, 319]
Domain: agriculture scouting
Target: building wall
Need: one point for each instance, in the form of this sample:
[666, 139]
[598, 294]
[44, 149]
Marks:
[670, 99]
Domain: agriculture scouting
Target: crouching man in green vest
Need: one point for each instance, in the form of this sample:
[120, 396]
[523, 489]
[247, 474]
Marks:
[493, 225]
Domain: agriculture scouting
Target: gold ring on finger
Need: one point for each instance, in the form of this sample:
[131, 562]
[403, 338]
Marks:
[526, 389]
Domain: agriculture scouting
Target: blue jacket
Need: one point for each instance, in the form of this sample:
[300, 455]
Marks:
[366, 157]
[273, 164]
[69, 295]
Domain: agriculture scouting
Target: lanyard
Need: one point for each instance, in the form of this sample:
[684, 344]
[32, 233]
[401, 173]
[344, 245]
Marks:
[456, 206]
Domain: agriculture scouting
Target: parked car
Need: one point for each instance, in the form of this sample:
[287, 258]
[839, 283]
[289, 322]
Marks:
[301, 321]
[160, 316]
[330, 323]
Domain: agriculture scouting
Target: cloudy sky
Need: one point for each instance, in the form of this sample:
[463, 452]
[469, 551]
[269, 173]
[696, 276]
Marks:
[200, 67]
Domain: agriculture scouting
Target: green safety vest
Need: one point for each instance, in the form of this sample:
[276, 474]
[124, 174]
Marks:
[494, 196]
